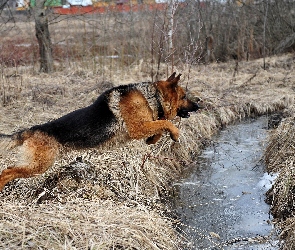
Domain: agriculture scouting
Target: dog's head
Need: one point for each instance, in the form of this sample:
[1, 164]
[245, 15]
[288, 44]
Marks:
[173, 98]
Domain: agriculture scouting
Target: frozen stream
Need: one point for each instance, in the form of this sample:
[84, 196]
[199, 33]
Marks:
[221, 199]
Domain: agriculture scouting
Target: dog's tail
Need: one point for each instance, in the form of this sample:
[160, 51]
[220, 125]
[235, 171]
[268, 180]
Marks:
[8, 142]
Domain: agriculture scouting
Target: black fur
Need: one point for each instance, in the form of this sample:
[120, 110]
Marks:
[85, 127]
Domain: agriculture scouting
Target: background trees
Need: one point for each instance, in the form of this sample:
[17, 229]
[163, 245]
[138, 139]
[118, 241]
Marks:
[43, 36]
[191, 32]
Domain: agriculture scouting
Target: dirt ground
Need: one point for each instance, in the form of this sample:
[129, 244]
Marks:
[118, 198]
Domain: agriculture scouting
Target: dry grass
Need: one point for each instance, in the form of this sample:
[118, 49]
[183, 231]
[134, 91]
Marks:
[280, 157]
[83, 224]
[115, 198]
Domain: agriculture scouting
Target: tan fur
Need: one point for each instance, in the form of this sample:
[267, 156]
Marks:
[139, 118]
[40, 152]
[138, 115]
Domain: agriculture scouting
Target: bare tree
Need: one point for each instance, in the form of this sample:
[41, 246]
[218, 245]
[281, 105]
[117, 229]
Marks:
[3, 4]
[43, 37]
[264, 28]
[8, 5]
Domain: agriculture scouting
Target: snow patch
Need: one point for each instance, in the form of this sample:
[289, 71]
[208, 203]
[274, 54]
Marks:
[267, 180]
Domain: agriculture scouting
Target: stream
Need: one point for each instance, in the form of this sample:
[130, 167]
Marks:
[220, 200]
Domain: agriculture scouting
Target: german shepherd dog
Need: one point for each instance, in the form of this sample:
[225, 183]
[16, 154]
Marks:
[134, 111]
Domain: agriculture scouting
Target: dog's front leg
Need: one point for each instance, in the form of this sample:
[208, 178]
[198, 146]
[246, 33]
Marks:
[152, 129]
[138, 117]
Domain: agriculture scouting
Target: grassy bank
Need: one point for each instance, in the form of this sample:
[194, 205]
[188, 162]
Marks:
[280, 157]
[115, 198]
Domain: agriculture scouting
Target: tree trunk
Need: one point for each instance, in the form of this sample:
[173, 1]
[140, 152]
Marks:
[43, 37]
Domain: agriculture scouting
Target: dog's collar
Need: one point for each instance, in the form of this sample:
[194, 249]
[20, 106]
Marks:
[161, 114]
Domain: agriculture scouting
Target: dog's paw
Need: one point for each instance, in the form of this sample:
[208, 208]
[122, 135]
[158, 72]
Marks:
[153, 139]
[175, 135]
[2, 184]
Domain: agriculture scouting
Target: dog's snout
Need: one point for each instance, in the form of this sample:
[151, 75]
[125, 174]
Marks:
[196, 106]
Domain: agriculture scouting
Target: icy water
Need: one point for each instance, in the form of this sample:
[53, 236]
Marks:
[221, 199]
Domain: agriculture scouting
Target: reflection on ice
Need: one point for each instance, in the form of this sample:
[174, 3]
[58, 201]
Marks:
[224, 193]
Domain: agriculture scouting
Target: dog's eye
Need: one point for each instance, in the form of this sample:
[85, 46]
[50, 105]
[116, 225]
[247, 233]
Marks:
[183, 97]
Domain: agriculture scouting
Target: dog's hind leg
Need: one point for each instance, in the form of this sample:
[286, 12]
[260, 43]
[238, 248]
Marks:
[40, 151]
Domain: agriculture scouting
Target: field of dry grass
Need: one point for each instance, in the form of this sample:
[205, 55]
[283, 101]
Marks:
[118, 198]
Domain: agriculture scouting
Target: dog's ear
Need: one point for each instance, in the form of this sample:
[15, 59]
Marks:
[174, 82]
[170, 78]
